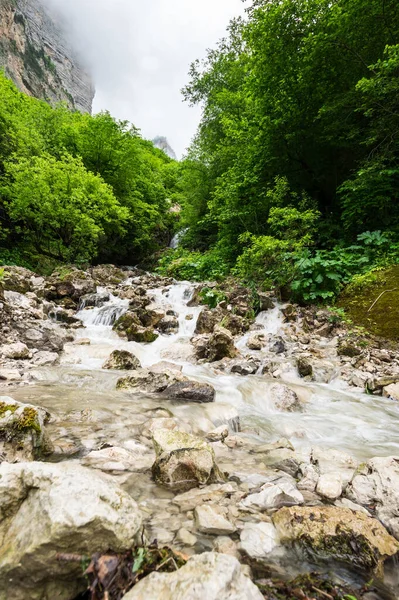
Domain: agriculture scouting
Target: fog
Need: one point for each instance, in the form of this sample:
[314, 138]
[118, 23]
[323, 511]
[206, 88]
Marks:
[139, 54]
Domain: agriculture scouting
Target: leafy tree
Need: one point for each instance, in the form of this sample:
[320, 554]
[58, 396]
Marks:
[63, 209]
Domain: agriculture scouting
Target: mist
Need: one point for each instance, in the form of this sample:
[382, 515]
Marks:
[139, 55]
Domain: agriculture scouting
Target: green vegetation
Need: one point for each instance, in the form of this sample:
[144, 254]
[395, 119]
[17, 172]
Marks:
[77, 188]
[291, 183]
[293, 178]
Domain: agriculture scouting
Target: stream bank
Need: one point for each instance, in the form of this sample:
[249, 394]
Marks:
[217, 431]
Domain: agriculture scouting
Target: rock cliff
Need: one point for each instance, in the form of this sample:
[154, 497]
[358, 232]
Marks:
[35, 54]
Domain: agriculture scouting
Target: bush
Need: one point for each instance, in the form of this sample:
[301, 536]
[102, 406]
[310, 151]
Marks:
[193, 266]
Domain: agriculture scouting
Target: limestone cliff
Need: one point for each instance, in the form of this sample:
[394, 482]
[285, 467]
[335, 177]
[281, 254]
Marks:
[36, 55]
[162, 143]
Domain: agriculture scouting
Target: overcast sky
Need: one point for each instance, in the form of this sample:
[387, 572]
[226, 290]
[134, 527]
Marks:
[140, 51]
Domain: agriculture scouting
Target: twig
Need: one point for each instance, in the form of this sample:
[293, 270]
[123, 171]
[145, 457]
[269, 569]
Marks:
[382, 293]
[69, 557]
[322, 593]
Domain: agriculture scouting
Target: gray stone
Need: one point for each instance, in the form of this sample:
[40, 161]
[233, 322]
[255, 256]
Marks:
[329, 486]
[122, 360]
[274, 494]
[15, 351]
[190, 391]
[284, 398]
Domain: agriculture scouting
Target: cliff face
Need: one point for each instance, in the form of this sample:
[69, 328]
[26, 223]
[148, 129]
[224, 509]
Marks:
[162, 143]
[35, 54]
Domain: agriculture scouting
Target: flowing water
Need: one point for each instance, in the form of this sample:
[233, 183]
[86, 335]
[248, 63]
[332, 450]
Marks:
[89, 411]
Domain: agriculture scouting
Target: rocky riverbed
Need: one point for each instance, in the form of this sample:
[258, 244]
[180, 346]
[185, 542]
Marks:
[262, 445]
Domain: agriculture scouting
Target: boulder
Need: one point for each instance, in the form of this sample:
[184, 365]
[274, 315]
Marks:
[183, 461]
[258, 540]
[245, 368]
[17, 279]
[122, 360]
[329, 461]
[256, 341]
[265, 301]
[44, 358]
[376, 485]
[207, 320]
[347, 348]
[304, 367]
[220, 345]
[391, 391]
[210, 576]
[339, 533]
[15, 351]
[22, 432]
[150, 317]
[278, 492]
[278, 345]
[146, 380]
[168, 324]
[210, 519]
[284, 398]
[130, 327]
[190, 391]
[85, 512]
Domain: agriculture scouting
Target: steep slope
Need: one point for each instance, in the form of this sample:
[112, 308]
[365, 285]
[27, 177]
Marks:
[36, 55]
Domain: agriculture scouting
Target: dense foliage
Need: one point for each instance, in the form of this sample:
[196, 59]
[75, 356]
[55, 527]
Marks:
[296, 159]
[77, 188]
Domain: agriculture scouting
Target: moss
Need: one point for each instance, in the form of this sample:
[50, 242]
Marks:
[4, 408]
[382, 319]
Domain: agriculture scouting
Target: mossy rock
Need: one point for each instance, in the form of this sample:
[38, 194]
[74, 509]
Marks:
[383, 318]
[22, 432]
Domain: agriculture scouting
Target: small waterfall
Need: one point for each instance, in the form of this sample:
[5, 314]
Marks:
[106, 314]
[94, 300]
[175, 242]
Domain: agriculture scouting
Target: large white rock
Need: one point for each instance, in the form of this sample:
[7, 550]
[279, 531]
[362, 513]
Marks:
[329, 460]
[47, 509]
[15, 351]
[258, 540]
[208, 576]
[210, 519]
[376, 484]
[274, 494]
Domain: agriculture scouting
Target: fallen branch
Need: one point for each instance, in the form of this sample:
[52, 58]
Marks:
[380, 296]
[315, 589]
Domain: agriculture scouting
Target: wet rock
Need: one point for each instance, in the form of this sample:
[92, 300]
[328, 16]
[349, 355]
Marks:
[347, 348]
[117, 459]
[129, 326]
[258, 540]
[22, 431]
[290, 313]
[149, 381]
[304, 367]
[376, 484]
[280, 491]
[391, 391]
[122, 360]
[209, 575]
[190, 391]
[220, 345]
[183, 461]
[265, 301]
[278, 346]
[168, 324]
[10, 375]
[207, 320]
[236, 324]
[164, 365]
[378, 383]
[329, 486]
[218, 435]
[256, 341]
[150, 317]
[338, 533]
[284, 398]
[17, 279]
[211, 493]
[96, 299]
[85, 512]
[245, 368]
[210, 519]
[15, 351]
[44, 358]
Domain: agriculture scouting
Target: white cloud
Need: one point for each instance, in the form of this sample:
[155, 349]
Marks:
[140, 52]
